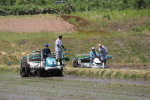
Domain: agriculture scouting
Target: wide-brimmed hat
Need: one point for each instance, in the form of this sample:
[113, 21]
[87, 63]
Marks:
[99, 44]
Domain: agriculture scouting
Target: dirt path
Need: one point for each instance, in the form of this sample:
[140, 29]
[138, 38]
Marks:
[56, 25]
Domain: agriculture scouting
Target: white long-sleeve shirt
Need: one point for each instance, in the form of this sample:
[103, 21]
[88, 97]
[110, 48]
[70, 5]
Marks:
[58, 42]
[103, 50]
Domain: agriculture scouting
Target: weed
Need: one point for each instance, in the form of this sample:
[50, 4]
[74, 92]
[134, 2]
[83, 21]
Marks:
[118, 75]
[82, 72]
[136, 29]
[107, 16]
[109, 74]
[102, 73]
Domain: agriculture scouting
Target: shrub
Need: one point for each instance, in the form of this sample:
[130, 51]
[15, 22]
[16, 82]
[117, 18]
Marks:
[72, 6]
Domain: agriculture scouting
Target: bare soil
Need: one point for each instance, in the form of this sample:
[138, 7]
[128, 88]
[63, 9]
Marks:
[56, 25]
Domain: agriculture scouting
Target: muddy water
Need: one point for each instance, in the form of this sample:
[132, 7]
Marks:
[71, 87]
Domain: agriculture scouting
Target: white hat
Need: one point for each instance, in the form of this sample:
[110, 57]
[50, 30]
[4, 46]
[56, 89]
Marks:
[93, 48]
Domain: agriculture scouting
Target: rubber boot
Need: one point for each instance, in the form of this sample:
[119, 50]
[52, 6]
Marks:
[105, 63]
[60, 60]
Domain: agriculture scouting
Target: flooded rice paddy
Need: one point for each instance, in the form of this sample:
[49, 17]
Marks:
[71, 87]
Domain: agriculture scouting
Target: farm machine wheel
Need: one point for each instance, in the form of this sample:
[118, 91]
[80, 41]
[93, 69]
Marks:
[24, 69]
[40, 72]
[60, 73]
[25, 72]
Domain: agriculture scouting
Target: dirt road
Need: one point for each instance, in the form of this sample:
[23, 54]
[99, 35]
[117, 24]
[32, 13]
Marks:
[13, 87]
[42, 24]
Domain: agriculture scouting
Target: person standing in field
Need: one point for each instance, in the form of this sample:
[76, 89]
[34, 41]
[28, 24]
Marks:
[103, 52]
[46, 51]
[58, 49]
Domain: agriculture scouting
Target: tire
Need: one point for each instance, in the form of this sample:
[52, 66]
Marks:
[40, 73]
[24, 72]
[25, 68]
[60, 73]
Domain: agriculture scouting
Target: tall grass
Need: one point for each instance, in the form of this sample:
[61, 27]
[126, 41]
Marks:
[113, 20]
[99, 15]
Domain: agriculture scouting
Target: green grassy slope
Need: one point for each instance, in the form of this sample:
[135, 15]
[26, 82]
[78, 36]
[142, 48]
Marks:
[126, 46]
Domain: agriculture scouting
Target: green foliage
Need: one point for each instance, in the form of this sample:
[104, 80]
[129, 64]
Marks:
[27, 10]
[137, 29]
[9, 7]
[107, 16]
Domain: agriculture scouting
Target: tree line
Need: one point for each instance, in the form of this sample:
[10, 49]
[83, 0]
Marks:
[25, 7]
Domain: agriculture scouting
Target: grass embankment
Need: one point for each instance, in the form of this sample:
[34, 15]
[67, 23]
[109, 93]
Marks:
[125, 48]
[95, 72]
[110, 73]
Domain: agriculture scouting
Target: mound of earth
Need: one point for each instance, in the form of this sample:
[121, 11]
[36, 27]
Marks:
[56, 25]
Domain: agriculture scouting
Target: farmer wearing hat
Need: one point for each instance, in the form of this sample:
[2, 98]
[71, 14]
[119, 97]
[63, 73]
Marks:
[46, 51]
[58, 49]
[93, 54]
[103, 52]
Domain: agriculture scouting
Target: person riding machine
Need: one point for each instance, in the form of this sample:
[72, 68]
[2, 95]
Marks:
[93, 54]
[91, 60]
[46, 51]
